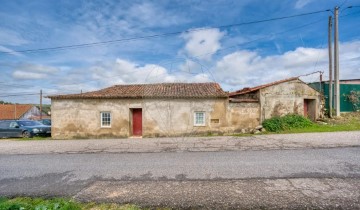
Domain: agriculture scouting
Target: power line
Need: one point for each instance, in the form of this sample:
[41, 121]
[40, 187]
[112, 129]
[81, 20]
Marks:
[75, 46]
[349, 14]
[171, 61]
[261, 38]
[17, 86]
[200, 55]
[249, 42]
[27, 94]
[343, 3]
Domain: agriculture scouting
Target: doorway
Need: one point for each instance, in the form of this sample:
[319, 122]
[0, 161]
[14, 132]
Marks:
[310, 109]
[136, 122]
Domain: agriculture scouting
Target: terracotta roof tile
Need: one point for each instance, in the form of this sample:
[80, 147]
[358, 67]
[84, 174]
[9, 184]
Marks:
[161, 90]
[11, 111]
[249, 90]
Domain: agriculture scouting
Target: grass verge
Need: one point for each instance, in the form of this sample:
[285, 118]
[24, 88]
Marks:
[347, 122]
[324, 128]
[26, 203]
[35, 138]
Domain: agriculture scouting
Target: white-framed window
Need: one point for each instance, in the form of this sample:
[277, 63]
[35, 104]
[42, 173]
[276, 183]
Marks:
[105, 119]
[199, 118]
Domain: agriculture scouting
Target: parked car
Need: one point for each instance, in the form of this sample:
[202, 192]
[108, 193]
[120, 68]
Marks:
[45, 121]
[23, 128]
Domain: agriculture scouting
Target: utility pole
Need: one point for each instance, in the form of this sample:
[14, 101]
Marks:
[336, 61]
[330, 69]
[40, 104]
[321, 79]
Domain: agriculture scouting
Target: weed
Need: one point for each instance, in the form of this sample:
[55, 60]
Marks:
[286, 122]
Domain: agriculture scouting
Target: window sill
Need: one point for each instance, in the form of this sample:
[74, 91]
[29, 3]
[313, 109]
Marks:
[105, 126]
[199, 125]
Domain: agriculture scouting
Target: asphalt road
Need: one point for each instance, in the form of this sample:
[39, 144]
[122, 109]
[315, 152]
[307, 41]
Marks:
[75, 174]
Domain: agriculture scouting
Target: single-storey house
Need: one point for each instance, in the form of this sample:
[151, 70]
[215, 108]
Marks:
[176, 109]
[20, 112]
[169, 109]
[282, 97]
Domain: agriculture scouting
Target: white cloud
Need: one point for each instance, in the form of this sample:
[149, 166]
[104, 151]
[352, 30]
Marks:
[190, 66]
[32, 71]
[235, 70]
[123, 72]
[28, 75]
[349, 60]
[248, 68]
[126, 72]
[150, 15]
[38, 68]
[232, 68]
[203, 42]
[302, 3]
[9, 37]
[9, 51]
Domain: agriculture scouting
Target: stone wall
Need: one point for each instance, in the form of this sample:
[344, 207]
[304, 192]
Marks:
[288, 97]
[80, 118]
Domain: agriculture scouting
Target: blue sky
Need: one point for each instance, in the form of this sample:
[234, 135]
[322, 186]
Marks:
[229, 56]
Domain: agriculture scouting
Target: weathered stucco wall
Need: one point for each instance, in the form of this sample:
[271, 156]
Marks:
[176, 117]
[243, 115]
[288, 97]
[80, 118]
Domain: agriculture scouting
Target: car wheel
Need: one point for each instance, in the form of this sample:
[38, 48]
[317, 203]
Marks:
[26, 134]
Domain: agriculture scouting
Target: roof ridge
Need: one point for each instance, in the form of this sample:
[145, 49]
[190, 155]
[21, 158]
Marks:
[165, 83]
[154, 90]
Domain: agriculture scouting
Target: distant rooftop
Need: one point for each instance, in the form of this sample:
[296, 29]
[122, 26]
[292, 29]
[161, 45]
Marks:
[342, 81]
[13, 111]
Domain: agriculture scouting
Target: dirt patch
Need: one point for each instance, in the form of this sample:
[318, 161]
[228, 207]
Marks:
[345, 118]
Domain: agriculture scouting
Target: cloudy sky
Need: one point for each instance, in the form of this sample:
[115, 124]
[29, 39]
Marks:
[236, 57]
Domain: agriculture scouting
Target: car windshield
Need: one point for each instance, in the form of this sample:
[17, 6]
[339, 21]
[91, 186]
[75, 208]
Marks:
[28, 123]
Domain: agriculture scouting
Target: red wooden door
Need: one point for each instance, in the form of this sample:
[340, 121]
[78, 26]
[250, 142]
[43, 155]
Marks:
[137, 122]
[306, 107]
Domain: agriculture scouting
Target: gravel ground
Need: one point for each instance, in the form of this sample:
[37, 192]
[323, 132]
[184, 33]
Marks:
[182, 144]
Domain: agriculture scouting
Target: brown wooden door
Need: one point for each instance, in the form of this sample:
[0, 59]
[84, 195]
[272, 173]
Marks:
[137, 122]
[306, 107]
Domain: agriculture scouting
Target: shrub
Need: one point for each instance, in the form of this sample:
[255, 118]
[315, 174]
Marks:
[354, 98]
[287, 122]
[274, 124]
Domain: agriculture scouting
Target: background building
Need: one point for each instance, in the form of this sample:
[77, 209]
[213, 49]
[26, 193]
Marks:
[345, 87]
